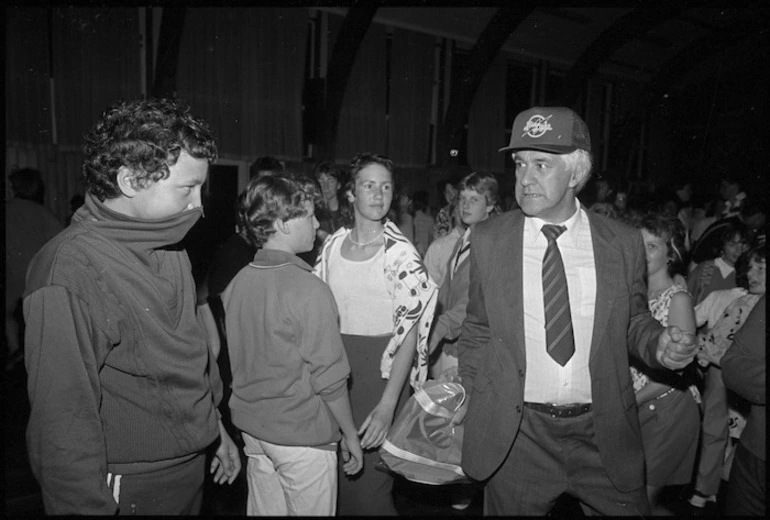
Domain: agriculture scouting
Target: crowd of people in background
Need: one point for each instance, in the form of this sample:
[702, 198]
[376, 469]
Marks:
[350, 290]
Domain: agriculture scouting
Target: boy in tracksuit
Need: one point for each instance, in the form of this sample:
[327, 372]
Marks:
[122, 386]
[290, 371]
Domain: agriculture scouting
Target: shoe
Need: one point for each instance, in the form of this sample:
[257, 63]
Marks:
[700, 500]
[461, 504]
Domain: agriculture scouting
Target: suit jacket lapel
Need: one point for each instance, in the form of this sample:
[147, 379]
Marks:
[511, 278]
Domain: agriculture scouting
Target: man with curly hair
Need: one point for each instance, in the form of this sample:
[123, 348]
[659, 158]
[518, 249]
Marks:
[123, 389]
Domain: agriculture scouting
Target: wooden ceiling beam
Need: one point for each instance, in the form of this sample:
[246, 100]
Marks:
[628, 27]
[352, 32]
[470, 75]
[167, 61]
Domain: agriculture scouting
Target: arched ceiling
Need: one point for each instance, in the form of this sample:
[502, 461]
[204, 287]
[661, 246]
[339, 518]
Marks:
[562, 35]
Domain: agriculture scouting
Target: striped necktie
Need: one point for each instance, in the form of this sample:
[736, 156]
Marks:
[465, 246]
[560, 341]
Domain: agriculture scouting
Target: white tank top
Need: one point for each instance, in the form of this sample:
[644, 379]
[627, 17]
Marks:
[365, 307]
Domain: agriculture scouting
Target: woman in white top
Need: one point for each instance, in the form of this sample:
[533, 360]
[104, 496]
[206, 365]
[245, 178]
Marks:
[385, 300]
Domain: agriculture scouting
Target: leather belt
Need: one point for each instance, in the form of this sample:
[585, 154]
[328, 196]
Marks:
[560, 411]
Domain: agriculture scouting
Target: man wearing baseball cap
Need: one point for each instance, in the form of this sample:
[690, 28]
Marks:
[558, 301]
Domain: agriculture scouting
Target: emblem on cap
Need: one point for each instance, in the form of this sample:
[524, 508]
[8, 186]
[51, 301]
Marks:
[537, 126]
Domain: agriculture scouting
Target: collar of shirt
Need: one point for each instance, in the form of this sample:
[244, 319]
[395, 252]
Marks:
[533, 225]
[465, 236]
[723, 266]
[275, 258]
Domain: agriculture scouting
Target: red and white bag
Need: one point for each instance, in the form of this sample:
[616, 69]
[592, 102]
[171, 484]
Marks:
[421, 445]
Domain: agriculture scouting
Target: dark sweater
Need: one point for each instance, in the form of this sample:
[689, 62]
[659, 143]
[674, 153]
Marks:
[117, 360]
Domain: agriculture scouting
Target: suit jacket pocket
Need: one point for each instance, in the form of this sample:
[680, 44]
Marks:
[481, 382]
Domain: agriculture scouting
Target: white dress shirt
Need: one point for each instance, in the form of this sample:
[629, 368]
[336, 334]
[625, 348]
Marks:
[546, 380]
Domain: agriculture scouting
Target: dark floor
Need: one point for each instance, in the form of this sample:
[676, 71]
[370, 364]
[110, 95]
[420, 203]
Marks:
[22, 494]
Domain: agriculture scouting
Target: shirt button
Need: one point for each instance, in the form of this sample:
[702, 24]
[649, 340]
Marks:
[518, 409]
[521, 373]
[652, 407]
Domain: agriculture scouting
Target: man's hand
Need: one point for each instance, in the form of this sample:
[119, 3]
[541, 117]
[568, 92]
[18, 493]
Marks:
[226, 463]
[676, 349]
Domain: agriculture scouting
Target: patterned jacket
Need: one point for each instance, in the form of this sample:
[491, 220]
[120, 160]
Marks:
[413, 291]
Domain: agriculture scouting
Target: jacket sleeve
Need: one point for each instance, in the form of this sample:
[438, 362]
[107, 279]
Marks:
[643, 329]
[474, 335]
[450, 321]
[743, 365]
[65, 439]
[320, 341]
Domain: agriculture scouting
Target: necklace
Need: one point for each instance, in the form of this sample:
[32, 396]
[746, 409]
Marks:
[362, 244]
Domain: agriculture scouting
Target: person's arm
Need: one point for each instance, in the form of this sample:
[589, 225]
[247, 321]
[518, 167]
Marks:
[680, 312]
[352, 454]
[647, 340]
[378, 422]
[65, 438]
[474, 335]
[448, 325]
[322, 349]
[744, 368]
[703, 310]
[209, 324]
[226, 463]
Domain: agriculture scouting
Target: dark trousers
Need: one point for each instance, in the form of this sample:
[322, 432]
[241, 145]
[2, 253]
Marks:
[552, 456]
[177, 490]
[746, 490]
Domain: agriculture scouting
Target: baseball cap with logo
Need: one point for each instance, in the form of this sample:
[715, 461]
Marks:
[549, 129]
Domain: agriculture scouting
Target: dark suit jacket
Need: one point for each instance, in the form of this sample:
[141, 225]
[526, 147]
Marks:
[493, 357]
[452, 298]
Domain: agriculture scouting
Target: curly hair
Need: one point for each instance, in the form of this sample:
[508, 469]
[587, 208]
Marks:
[672, 231]
[359, 162]
[266, 199]
[145, 136]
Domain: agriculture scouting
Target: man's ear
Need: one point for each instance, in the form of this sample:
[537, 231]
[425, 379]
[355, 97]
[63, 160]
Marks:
[576, 177]
[351, 198]
[127, 182]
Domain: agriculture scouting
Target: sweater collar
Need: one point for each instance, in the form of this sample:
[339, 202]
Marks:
[276, 258]
[136, 233]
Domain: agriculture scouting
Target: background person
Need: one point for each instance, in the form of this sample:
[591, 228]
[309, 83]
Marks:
[477, 201]
[744, 368]
[386, 300]
[669, 415]
[28, 226]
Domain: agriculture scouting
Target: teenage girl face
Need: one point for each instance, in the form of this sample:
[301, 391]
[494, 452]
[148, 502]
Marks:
[756, 276]
[329, 185]
[656, 251]
[473, 206]
[373, 192]
[732, 249]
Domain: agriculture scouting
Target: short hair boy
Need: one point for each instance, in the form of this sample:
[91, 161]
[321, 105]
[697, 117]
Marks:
[122, 386]
[289, 366]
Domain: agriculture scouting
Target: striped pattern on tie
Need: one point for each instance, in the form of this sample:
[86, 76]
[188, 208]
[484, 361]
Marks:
[462, 253]
[560, 340]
